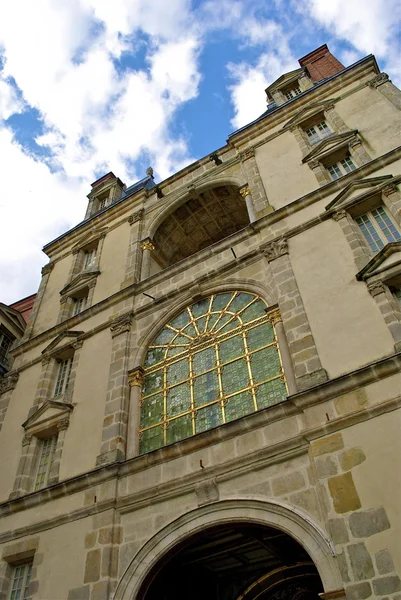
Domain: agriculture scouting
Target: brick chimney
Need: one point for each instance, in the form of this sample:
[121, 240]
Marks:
[320, 63]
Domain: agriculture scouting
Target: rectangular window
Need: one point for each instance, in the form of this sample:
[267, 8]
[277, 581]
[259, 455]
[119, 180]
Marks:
[21, 580]
[378, 228]
[45, 462]
[79, 305]
[292, 93]
[5, 344]
[63, 376]
[341, 168]
[318, 132]
[90, 258]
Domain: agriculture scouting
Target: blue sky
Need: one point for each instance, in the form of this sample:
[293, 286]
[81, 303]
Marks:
[89, 86]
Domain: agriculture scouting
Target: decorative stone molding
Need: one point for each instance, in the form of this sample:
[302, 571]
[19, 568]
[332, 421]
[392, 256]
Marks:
[207, 492]
[26, 440]
[249, 153]
[47, 268]
[376, 287]
[9, 382]
[147, 245]
[135, 217]
[275, 249]
[63, 424]
[78, 344]
[390, 189]
[340, 214]
[245, 191]
[379, 80]
[121, 324]
[275, 316]
[135, 377]
[313, 164]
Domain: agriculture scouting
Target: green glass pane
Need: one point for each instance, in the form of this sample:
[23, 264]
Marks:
[271, 393]
[152, 410]
[190, 330]
[178, 429]
[206, 388]
[178, 372]
[208, 417]
[260, 336]
[212, 320]
[200, 308]
[154, 356]
[181, 340]
[239, 406]
[204, 360]
[164, 337]
[265, 364]
[152, 383]
[180, 321]
[235, 322]
[255, 310]
[235, 377]
[201, 324]
[231, 348]
[223, 321]
[221, 301]
[174, 350]
[151, 439]
[178, 400]
[240, 302]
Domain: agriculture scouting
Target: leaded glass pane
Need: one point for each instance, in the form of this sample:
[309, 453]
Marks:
[190, 330]
[231, 348]
[152, 383]
[271, 393]
[154, 356]
[224, 319]
[235, 322]
[181, 340]
[180, 321]
[178, 400]
[178, 429]
[178, 372]
[152, 410]
[151, 439]
[235, 376]
[221, 301]
[265, 364]
[260, 336]
[255, 310]
[201, 324]
[204, 360]
[200, 308]
[208, 417]
[164, 337]
[206, 388]
[240, 302]
[239, 406]
[174, 350]
[212, 320]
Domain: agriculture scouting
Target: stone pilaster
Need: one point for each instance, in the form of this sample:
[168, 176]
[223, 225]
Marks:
[382, 296]
[319, 172]
[135, 380]
[246, 194]
[300, 138]
[252, 176]
[354, 237]
[392, 200]
[358, 152]
[284, 352]
[307, 366]
[38, 300]
[24, 480]
[62, 427]
[114, 435]
[7, 385]
[334, 120]
[133, 264]
[383, 84]
[147, 248]
[278, 97]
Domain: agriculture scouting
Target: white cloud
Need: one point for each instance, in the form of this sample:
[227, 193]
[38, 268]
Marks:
[10, 104]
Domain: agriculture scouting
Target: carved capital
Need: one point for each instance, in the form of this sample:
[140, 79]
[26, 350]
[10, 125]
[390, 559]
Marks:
[245, 191]
[354, 143]
[47, 268]
[135, 217]
[340, 214]
[121, 325]
[63, 424]
[45, 360]
[247, 154]
[135, 377]
[379, 80]
[8, 382]
[274, 316]
[275, 249]
[313, 164]
[78, 344]
[147, 245]
[26, 440]
[376, 287]
[64, 299]
[390, 189]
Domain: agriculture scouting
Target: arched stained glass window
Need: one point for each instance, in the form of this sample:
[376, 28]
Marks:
[216, 361]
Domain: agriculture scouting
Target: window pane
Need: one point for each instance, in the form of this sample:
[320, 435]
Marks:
[239, 406]
[151, 439]
[369, 233]
[180, 321]
[221, 301]
[334, 171]
[260, 336]
[348, 164]
[164, 337]
[179, 429]
[152, 410]
[154, 356]
[235, 376]
[208, 417]
[200, 308]
[152, 383]
[271, 393]
[204, 360]
[240, 302]
[255, 310]
[178, 400]
[178, 372]
[231, 348]
[206, 388]
[265, 364]
[386, 225]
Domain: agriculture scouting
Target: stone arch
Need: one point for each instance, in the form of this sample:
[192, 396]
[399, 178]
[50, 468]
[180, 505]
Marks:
[271, 513]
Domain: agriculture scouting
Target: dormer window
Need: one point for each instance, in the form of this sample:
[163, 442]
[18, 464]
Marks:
[90, 258]
[292, 93]
[5, 345]
[318, 132]
[79, 305]
[341, 168]
[378, 228]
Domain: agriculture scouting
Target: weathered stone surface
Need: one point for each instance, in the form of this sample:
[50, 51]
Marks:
[325, 467]
[80, 593]
[288, 483]
[307, 500]
[369, 522]
[92, 566]
[359, 591]
[344, 494]
[351, 458]
[387, 585]
[343, 566]
[338, 531]
[384, 562]
[90, 539]
[100, 591]
[326, 445]
[361, 563]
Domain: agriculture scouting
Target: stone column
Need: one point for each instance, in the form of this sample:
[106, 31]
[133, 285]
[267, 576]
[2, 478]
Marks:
[38, 300]
[251, 173]
[133, 264]
[383, 84]
[135, 380]
[319, 172]
[284, 353]
[24, 479]
[354, 238]
[378, 291]
[114, 435]
[7, 385]
[307, 366]
[246, 194]
[147, 248]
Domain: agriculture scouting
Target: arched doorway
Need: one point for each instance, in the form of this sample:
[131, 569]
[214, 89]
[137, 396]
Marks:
[236, 561]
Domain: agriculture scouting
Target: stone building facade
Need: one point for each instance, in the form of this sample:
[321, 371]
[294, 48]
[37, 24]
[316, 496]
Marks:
[206, 400]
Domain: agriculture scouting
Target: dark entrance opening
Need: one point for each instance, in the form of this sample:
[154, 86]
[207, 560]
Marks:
[235, 562]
